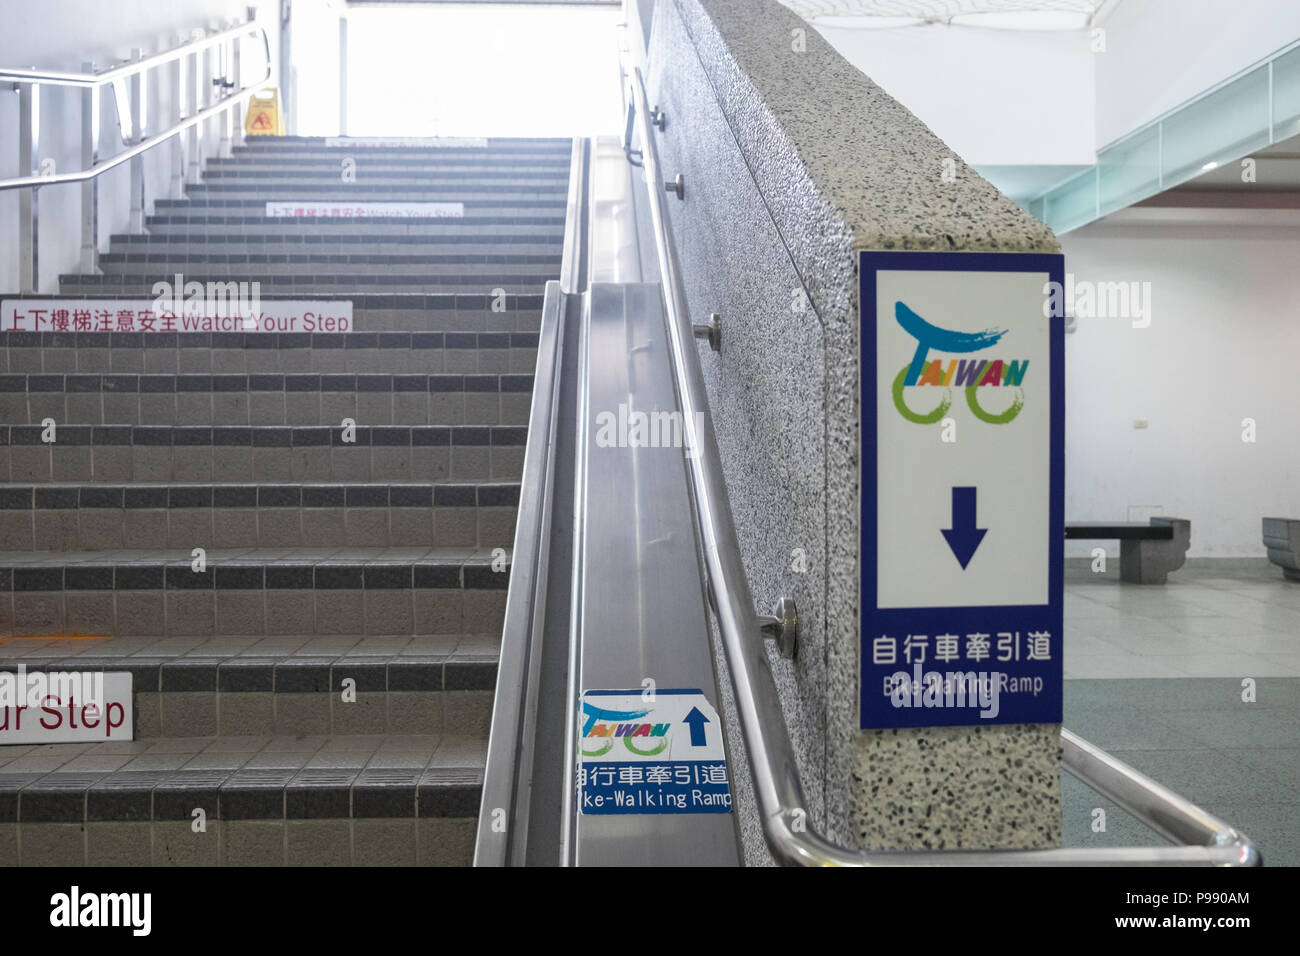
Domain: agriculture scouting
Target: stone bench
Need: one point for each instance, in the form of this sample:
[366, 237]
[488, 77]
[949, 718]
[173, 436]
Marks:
[1147, 552]
[1282, 539]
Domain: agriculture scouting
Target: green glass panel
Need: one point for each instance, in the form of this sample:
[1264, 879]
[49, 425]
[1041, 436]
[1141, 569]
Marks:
[1129, 170]
[1286, 96]
[1219, 128]
[1071, 204]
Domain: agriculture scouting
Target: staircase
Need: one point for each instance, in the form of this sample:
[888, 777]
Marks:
[318, 688]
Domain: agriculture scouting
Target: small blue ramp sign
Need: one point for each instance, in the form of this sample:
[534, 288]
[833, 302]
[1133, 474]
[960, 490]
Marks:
[651, 751]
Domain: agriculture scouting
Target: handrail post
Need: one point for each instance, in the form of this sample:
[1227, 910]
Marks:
[138, 134]
[343, 74]
[90, 98]
[193, 136]
[29, 131]
[176, 189]
[237, 78]
[208, 132]
[221, 76]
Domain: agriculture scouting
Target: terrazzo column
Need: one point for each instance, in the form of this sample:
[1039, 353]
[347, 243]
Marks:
[794, 162]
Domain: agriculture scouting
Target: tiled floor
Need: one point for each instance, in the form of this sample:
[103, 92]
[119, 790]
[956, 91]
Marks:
[1242, 622]
[1154, 674]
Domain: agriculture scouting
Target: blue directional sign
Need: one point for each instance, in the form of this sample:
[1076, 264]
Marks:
[651, 751]
[962, 507]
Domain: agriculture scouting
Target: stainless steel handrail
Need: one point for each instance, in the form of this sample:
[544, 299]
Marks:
[197, 45]
[508, 774]
[787, 826]
[144, 146]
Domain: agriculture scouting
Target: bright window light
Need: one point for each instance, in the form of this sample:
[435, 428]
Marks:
[485, 70]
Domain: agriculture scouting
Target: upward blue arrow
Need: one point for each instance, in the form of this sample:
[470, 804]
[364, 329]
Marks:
[963, 537]
[696, 721]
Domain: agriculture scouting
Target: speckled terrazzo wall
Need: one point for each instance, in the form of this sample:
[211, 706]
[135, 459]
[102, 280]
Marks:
[794, 161]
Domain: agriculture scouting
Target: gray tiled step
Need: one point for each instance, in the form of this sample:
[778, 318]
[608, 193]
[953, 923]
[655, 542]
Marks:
[369, 268]
[233, 353]
[503, 213]
[554, 163]
[419, 238]
[294, 799]
[257, 686]
[162, 454]
[138, 279]
[365, 230]
[290, 664]
[110, 517]
[254, 569]
[305, 161]
[487, 302]
[265, 399]
[497, 149]
[416, 186]
[405, 261]
[472, 246]
[496, 153]
[478, 198]
[332, 287]
[444, 163]
[373, 591]
[474, 237]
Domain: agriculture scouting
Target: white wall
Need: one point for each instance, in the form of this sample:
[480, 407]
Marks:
[61, 35]
[996, 97]
[1221, 347]
[1163, 52]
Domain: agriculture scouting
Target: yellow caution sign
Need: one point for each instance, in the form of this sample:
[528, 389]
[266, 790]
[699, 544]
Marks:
[263, 115]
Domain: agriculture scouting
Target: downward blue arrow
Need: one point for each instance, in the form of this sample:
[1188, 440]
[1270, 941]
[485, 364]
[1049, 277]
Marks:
[963, 537]
[696, 721]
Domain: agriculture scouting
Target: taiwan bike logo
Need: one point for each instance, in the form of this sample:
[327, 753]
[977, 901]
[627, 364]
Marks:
[604, 727]
[972, 374]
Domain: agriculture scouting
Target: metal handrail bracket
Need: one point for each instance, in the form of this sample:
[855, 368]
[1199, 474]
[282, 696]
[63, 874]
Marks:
[789, 833]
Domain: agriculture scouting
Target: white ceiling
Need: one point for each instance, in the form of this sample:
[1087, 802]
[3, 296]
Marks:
[1011, 14]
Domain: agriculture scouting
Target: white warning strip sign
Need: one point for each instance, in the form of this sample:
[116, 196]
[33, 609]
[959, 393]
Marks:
[214, 307]
[361, 210]
[65, 706]
[651, 751]
[441, 142]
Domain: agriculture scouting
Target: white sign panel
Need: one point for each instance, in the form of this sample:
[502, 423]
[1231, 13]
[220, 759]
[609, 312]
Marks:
[65, 706]
[204, 312]
[648, 751]
[1006, 461]
[313, 209]
[441, 142]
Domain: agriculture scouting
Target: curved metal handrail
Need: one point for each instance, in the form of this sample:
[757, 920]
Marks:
[98, 79]
[787, 826]
[197, 45]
